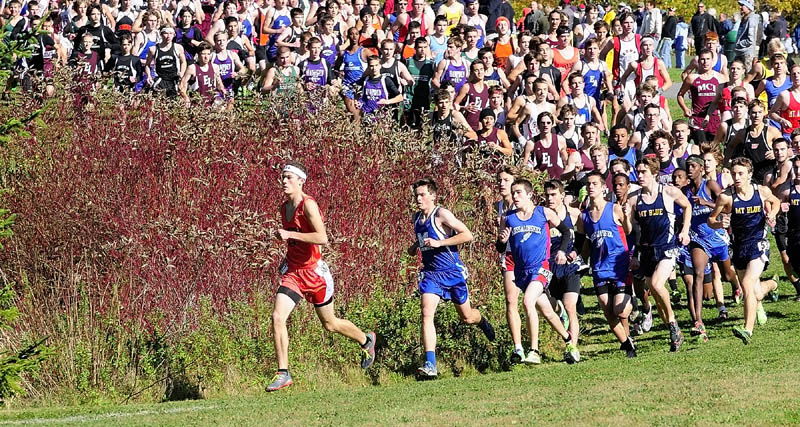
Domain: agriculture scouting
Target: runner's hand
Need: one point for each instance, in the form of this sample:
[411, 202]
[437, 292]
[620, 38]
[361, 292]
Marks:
[432, 243]
[282, 234]
[770, 155]
[561, 258]
[726, 220]
[771, 219]
[505, 234]
[684, 239]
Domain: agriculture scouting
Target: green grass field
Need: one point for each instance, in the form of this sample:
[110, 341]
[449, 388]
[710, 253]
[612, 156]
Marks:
[718, 382]
[721, 381]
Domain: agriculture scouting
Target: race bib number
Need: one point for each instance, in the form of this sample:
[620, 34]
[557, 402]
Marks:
[547, 274]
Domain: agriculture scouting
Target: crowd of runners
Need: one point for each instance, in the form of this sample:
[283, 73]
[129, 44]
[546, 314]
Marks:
[693, 196]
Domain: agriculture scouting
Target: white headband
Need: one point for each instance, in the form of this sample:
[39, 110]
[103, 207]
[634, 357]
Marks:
[295, 170]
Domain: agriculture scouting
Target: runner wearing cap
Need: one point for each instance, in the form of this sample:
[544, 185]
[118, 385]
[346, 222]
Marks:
[304, 275]
[504, 44]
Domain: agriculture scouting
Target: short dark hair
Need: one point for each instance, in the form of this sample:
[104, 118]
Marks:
[523, 182]
[429, 183]
[595, 173]
[624, 176]
[620, 126]
[554, 184]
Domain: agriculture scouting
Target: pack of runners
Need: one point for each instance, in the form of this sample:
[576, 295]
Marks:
[699, 193]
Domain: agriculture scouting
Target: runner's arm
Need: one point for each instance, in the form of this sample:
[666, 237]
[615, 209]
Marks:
[687, 84]
[447, 219]
[319, 236]
[722, 206]
[781, 103]
[771, 204]
[665, 75]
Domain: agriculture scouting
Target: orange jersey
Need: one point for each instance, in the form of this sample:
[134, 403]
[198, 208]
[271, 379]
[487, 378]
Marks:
[299, 254]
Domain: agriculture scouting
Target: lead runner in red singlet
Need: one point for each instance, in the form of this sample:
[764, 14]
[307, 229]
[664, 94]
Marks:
[306, 275]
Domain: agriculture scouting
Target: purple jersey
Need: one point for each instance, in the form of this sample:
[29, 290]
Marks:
[206, 81]
[376, 89]
[704, 91]
[225, 70]
[317, 72]
[457, 74]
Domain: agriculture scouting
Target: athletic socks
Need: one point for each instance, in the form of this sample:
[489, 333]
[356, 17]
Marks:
[722, 308]
[366, 343]
[519, 348]
[673, 284]
[487, 328]
[283, 371]
[796, 285]
[430, 357]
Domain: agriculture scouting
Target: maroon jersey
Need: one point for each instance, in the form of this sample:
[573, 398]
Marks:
[479, 100]
[206, 81]
[703, 93]
[548, 158]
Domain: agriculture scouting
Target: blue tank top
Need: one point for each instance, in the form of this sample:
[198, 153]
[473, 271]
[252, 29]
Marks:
[352, 67]
[748, 222]
[146, 47]
[656, 222]
[442, 258]
[374, 91]
[773, 91]
[278, 23]
[793, 216]
[555, 237]
[457, 74]
[700, 231]
[492, 79]
[610, 255]
[592, 80]
[530, 239]
[718, 66]
[437, 49]
[584, 113]
[630, 156]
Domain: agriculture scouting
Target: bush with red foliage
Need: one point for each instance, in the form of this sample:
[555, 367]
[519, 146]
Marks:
[140, 212]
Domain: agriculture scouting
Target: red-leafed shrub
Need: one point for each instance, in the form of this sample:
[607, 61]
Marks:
[139, 219]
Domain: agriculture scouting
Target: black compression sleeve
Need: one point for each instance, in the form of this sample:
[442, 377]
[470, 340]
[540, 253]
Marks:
[566, 236]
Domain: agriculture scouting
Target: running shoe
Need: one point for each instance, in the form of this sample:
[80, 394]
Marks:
[761, 314]
[516, 356]
[737, 296]
[428, 370]
[533, 358]
[774, 295]
[695, 331]
[368, 351]
[675, 295]
[635, 316]
[647, 322]
[796, 299]
[675, 337]
[723, 314]
[703, 333]
[636, 329]
[279, 381]
[629, 347]
[743, 334]
[563, 315]
[572, 355]
[583, 267]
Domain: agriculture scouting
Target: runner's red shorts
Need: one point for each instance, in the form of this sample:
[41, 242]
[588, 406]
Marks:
[315, 283]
